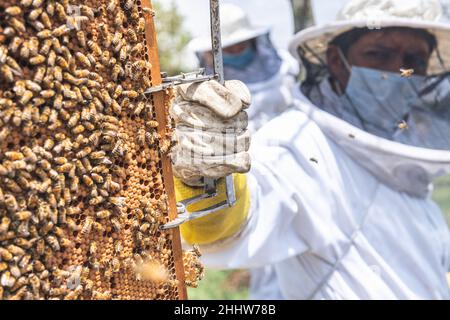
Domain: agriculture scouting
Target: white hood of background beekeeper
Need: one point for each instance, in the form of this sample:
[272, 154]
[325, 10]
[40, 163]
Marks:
[405, 162]
[271, 73]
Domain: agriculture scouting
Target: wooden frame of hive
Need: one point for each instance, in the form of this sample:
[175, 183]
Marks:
[65, 232]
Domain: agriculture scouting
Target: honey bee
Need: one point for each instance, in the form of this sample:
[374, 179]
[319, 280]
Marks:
[13, 11]
[37, 3]
[83, 59]
[36, 60]
[103, 214]
[140, 106]
[87, 226]
[115, 264]
[3, 266]
[87, 180]
[5, 254]
[97, 295]
[94, 47]
[4, 226]
[53, 243]
[97, 178]
[403, 125]
[406, 73]
[117, 72]
[117, 201]
[141, 25]
[83, 153]
[152, 137]
[46, 20]
[12, 185]
[96, 200]
[17, 25]
[94, 138]
[119, 149]
[6, 73]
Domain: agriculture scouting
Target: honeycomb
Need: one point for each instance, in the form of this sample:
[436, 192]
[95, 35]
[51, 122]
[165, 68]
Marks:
[85, 176]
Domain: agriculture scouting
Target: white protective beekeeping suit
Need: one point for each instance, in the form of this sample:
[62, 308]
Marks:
[269, 77]
[338, 211]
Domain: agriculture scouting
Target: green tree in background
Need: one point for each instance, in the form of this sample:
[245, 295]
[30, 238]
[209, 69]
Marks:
[172, 39]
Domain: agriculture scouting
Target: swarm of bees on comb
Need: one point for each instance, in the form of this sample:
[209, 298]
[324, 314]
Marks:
[82, 190]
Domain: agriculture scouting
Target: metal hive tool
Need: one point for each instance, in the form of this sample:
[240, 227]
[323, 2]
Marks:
[85, 177]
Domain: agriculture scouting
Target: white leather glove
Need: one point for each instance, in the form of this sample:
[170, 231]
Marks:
[211, 131]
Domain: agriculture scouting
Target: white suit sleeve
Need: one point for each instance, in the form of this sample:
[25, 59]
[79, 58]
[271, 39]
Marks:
[289, 198]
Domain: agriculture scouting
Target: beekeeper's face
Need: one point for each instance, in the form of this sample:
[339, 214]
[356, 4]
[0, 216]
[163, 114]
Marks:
[387, 50]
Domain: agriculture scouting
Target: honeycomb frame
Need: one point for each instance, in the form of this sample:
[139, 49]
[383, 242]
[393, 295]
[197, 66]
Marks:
[60, 241]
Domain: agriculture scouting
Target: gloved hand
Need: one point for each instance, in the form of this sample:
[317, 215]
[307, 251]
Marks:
[211, 131]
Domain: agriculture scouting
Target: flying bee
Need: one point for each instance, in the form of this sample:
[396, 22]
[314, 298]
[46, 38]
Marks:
[406, 73]
[403, 125]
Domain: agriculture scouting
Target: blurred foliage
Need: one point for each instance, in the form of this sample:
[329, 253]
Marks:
[172, 38]
[302, 14]
[221, 285]
[441, 195]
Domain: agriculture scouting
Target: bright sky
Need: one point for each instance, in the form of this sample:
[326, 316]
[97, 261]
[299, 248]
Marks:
[277, 13]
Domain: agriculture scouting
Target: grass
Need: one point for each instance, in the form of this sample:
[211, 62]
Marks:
[221, 285]
[233, 285]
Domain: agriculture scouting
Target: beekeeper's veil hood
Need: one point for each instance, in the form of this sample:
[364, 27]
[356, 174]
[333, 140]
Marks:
[375, 14]
[235, 27]
[397, 128]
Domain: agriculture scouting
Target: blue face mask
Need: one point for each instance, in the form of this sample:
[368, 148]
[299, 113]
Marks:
[380, 99]
[241, 60]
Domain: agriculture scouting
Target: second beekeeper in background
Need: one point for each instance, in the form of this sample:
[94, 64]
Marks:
[338, 196]
[249, 56]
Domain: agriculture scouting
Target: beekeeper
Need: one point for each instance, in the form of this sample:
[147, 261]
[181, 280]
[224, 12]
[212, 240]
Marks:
[250, 56]
[338, 195]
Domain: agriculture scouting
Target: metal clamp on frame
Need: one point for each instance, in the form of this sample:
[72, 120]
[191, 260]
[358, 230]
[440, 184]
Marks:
[210, 188]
